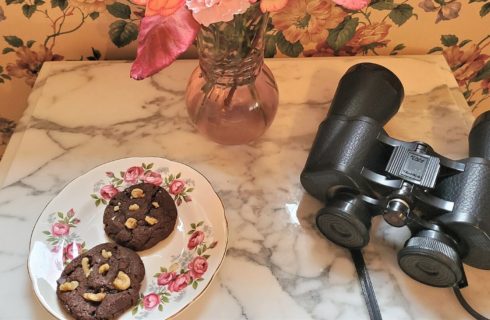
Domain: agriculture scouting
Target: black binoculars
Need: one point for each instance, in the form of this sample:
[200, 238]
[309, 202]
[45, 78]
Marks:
[359, 172]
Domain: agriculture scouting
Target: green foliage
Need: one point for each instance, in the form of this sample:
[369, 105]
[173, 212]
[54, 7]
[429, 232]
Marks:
[28, 10]
[449, 40]
[485, 9]
[7, 50]
[95, 55]
[119, 10]
[435, 49]
[94, 15]
[270, 46]
[123, 33]
[382, 5]
[483, 74]
[464, 42]
[339, 36]
[14, 41]
[401, 13]
[397, 48]
[30, 43]
[288, 48]
[9, 2]
[62, 4]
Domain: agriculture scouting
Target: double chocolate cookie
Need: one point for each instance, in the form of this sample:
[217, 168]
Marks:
[140, 216]
[101, 283]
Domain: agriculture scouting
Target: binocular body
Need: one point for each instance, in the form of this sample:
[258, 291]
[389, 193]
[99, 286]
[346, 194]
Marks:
[359, 171]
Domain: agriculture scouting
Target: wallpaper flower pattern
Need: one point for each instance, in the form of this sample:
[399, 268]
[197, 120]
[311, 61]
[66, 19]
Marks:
[308, 28]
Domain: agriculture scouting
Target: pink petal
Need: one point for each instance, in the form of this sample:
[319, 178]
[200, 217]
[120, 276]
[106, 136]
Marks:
[161, 40]
[272, 5]
[352, 4]
[139, 2]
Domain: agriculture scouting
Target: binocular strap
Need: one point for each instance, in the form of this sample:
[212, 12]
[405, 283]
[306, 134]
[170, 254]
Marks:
[370, 297]
[366, 285]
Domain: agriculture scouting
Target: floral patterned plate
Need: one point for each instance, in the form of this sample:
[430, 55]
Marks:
[178, 269]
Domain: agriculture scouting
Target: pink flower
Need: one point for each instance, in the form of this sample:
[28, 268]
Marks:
[179, 283]
[176, 186]
[207, 12]
[60, 229]
[110, 174]
[154, 178]
[162, 8]
[76, 221]
[353, 4]
[108, 191]
[151, 300]
[195, 240]
[72, 250]
[165, 278]
[133, 174]
[197, 267]
[70, 213]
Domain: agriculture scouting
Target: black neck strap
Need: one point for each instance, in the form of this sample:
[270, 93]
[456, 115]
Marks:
[370, 297]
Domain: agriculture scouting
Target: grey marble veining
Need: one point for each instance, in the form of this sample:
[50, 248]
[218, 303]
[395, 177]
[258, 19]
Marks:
[278, 266]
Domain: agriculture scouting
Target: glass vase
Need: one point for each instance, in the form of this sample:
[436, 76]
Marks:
[232, 96]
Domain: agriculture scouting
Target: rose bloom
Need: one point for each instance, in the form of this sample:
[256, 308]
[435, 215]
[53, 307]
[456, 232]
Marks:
[368, 34]
[153, 178]
[464, 63]
[197, 267]
[133, 174]
[179, 283]
[72, 250]
[176, 187]
[165, 278]
[60, 229]
[71, 213]
[353, 4]
[308, 20]
[108, 191]
[195, 240]
[151, 300]
[207, 12]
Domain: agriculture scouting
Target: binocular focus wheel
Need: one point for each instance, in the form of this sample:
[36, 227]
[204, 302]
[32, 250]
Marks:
[343, 227]
[431, 262]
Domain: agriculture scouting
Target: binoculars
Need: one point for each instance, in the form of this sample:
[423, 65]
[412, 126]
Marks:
[359, 172]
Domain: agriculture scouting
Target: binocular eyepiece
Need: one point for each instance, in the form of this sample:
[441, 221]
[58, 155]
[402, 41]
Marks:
[360, 172]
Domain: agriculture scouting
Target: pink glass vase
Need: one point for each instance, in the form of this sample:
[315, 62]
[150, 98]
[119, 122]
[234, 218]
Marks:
[232, 96]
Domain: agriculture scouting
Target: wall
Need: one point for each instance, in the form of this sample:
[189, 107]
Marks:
[38, 30]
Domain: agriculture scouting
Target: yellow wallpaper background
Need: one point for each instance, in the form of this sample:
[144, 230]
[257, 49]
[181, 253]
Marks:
[33, 31]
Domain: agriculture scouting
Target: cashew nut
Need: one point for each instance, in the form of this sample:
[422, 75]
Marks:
[116, 208]
[94, 296]
[122, 281]
[106, 254]
[134, 207]
[104, 268]
[86, 267]
[69, 286]
[131, 223]
[137, 193]
[150, 220]
[155, 204]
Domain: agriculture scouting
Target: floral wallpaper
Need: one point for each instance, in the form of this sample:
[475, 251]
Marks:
[34, 31]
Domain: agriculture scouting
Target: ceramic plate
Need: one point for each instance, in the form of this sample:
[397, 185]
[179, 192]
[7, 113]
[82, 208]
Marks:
[178, 269]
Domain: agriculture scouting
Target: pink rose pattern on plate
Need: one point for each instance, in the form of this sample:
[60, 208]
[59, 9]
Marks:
[187, 271]
[65, 244]
[174, 184]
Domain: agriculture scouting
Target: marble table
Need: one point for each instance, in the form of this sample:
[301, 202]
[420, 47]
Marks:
[278, 266]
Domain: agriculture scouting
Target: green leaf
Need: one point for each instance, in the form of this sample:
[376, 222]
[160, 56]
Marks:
[30, 43]
[149, 166]
[14, 41]
[193, 225]
[160, 307]
[435, 49]
[270, 46]
[485, 91]
[178, 175]
[8, 2]
[165, 299]
[206, 256]
[47, 233]
[119, 10]
[162, 269]
[449, 40]
[199, 251]
[483, 74]
[339, 36]
[383, 5]
[104, 201]
[62, 4]
[7, 50]
[485, 9]
[1, 69]
[463, 43]
[96, 54]
[97, 203]
[288, 48]
[39, 2]
[194, 284]
[401, 13]
[190, 190]
[94, 15]
[135, 310]
[397, 48]
[190, 232]
[60, 214]
[471, 1]
[467, 94]
[93, 195]
[200, 223]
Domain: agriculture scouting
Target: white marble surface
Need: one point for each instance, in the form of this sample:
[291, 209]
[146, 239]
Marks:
[278, 266]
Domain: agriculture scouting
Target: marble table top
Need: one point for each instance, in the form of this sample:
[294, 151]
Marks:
[278, 266]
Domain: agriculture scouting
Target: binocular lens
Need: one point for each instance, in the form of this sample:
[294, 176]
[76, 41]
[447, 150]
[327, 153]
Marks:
[345, 224]
[431, 261]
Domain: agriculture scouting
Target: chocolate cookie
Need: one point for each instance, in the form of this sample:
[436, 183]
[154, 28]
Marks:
[101, 283]
[140, 216]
